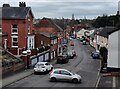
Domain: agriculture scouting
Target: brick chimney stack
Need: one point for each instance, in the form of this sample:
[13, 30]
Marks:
[22, 4]
[6, 5]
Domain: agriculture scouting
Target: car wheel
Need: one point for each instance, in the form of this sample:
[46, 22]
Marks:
[80, 81]
[46, 70]
[53, 79]
[75, 80]
[34, 72]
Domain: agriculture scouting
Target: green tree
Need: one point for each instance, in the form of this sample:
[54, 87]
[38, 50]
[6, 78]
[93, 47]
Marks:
[103, 53]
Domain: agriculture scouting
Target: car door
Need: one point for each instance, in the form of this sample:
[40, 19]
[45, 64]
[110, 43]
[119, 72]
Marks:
[57, 74]
[65, 75]
[47, 66]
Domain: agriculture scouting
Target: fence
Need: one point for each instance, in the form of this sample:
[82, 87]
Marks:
[41, 57]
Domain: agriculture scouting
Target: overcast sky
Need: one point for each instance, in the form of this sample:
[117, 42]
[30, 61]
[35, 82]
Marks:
[65, 8]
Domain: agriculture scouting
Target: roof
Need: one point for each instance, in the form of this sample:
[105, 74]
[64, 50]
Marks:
[47, 22]
[49, 35]
[113, 31]
[15, 12]
[106, 30]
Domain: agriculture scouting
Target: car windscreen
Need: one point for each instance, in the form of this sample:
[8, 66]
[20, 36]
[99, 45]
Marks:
[39, 65]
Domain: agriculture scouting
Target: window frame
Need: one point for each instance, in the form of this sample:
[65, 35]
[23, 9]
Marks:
[0, 29]
[14, 29]
[14, 41]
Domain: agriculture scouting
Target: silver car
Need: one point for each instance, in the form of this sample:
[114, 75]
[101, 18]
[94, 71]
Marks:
[65, 75]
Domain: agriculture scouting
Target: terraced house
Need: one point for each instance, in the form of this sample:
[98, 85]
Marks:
[17, 24]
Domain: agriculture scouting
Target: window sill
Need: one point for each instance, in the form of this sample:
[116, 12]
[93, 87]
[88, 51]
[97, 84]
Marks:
[14, 46]
[14, 33]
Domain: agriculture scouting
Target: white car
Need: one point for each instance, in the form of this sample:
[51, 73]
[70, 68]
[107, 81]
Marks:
[42, 67]
[63, 74]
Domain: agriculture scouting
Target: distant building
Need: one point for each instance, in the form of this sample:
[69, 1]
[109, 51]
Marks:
[47, 27]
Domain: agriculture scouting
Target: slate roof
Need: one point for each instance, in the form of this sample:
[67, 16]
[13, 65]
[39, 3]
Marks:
[106, 30]
[47, 22]
[113, 31]
[49, 35]
[14, 12]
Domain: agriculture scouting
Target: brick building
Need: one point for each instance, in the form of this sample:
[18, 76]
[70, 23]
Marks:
[48, 27]
[47, 39]
[17, 24]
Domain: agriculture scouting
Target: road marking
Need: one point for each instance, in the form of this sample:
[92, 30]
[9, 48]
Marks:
[98, 77]
[114, 82]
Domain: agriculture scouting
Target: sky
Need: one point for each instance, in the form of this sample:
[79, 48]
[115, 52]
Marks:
[90, 9]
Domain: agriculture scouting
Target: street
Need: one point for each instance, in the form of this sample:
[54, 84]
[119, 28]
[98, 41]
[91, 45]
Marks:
[83, 65]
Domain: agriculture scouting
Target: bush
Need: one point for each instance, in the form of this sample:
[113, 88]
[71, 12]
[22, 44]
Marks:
[33, 51]
[104, 53]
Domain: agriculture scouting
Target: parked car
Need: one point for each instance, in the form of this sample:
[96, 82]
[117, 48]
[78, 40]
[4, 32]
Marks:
[71, 43]
[70, 55]
[42, 67]
[84, 42]
[95, 55]
[74, 52]
[62, 59]
[64, 75]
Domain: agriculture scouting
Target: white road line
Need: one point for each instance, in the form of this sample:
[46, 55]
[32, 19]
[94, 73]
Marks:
[98, 81]
[99, 77]
[114, 82]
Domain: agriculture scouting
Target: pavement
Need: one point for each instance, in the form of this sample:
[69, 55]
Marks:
[18, 76]
[108, 81]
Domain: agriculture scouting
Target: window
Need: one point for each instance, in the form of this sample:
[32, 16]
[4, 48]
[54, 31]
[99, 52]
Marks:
[0, 29]
[14, 41]
[57, 72]
[55, 41]
[41, 42]
[30, 44]
[65, 72]
[28, 24]
[52, 41]
[14, 29]
[28, 29]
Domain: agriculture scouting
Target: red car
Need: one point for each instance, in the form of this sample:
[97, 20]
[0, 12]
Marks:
[71, 44]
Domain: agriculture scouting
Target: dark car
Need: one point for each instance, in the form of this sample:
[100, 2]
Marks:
[95, 55]
[62, 59]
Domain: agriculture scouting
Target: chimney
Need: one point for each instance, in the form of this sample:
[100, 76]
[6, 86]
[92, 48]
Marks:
[6, 5]
[117, 12]
[22, 4]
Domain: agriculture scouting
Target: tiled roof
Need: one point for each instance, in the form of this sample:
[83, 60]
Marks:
[113, 31]
[106, 30]
[15, 12]
[49, 35]
[47, 22]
